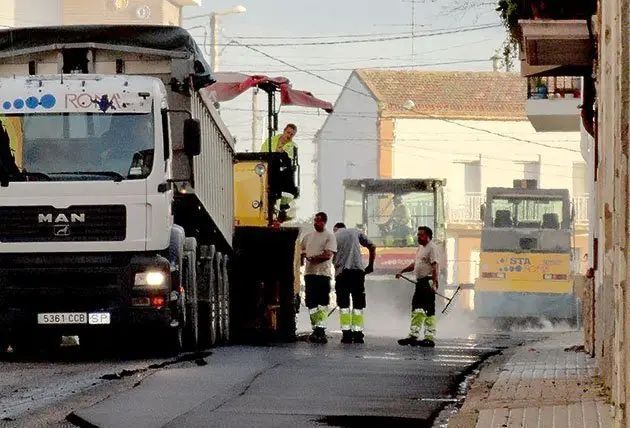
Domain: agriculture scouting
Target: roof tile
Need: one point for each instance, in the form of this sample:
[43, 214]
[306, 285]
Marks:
[448, 94]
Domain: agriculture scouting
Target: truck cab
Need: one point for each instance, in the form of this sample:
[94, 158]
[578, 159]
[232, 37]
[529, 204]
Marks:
[389, 212]
[110, 161]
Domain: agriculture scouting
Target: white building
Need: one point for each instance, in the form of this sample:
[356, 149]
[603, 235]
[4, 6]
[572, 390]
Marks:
[468, 127]
[30, 13]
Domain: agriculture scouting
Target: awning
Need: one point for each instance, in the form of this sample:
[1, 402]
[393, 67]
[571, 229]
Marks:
[229, 85]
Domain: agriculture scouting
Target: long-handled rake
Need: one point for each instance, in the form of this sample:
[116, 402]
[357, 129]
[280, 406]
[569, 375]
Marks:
[450, 300]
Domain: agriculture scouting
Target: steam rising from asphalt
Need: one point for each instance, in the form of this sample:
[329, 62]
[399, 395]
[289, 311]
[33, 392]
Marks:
[388, 314]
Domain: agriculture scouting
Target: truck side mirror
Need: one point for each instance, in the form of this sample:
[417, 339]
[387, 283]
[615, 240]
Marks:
[482, 212]
[192, 137]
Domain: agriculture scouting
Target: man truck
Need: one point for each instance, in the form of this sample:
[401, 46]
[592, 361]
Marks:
[117, 194]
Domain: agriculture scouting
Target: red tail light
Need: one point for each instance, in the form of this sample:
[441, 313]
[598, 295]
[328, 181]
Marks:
[157, 302]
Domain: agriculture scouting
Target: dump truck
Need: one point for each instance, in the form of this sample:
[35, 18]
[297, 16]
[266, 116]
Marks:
[525, 259]
[117, 184]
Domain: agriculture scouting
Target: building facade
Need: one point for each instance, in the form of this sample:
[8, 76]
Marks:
[30, 13]
[471, 128]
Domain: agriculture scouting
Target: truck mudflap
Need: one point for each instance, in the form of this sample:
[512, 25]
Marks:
[263, 300]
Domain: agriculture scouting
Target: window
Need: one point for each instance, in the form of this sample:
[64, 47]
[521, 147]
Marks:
[392, 219]
[472, 177]
[81, 146]
[528, 170]
[522, 212]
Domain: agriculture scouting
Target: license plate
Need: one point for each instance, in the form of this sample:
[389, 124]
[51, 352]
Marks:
[99, 318]
[62, 318]
[94, 318]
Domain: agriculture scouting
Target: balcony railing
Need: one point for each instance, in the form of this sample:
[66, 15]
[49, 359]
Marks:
[580, 209]
[554, 87]
[466, 211]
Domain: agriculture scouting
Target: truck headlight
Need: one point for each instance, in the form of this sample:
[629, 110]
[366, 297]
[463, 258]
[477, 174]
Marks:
[150, 278]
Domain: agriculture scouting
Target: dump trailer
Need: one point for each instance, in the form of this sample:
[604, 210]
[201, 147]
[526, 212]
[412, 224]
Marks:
[116, 196]
[525, 260]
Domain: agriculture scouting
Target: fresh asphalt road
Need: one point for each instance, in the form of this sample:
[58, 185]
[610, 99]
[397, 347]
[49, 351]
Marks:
[378, 383]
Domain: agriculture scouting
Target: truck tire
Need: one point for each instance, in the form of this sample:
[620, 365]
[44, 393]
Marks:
[215, 310]
[204, 275]
[191, 328]
[176, 255]
[225, 301]
[172, 343]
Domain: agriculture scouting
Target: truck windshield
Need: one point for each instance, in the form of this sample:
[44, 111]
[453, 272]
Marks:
[77, 146]
[528, 212]
[393, 219]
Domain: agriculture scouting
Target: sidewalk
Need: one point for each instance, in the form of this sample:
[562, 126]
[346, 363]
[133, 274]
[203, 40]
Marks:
[540, 384]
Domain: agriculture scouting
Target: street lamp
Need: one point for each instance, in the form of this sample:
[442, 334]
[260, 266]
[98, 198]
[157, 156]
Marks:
[214, 26]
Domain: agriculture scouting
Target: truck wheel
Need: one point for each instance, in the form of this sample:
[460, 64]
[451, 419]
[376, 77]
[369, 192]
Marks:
[173, 341]
[203, 293]
[215, 311]
[191, 329]
[225, 302]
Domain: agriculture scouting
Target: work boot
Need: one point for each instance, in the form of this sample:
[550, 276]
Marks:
[358, 337]
[410, 340]
[426, 343]
[318, 336]
[346, 336]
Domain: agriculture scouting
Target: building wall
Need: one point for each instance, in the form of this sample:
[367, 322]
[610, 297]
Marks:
[437, 148]
[171, 13]
[31, 13]
[102, 12]
[612, 337]
[347, 146]
[7, 17]
[468, 246]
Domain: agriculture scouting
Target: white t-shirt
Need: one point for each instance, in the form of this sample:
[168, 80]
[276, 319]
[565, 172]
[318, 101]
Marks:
[314, 244]
[425, 257]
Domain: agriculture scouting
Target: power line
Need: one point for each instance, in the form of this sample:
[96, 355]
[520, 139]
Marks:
[371, 40]
[376, 67]
[370, 59]
[351, 35]
[332, 82]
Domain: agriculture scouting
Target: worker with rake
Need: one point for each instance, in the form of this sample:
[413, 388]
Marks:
[426, 270]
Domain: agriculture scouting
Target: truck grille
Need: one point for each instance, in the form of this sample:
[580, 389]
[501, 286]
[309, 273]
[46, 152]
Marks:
[76, 223]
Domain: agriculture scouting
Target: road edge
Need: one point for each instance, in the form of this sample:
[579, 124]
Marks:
[488, 372]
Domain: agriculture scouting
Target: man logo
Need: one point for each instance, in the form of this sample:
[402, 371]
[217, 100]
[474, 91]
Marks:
[62, 230]
[61, 218]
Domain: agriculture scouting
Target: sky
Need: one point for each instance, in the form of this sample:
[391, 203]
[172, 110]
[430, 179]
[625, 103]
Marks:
[318, 44]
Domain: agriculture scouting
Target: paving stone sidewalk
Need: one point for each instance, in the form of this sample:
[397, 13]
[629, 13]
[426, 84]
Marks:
[547, 384]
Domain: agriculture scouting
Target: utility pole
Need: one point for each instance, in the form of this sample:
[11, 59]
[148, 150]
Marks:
[255, 137]
[214, 51]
